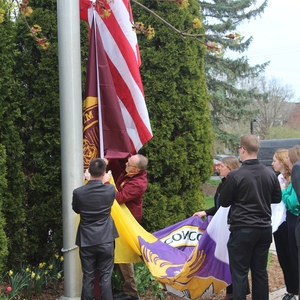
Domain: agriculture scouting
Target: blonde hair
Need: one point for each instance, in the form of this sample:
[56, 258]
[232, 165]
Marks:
[281, 155]
[231, 162]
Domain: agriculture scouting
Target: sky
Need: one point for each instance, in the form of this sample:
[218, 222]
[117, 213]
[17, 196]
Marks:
[276, 38]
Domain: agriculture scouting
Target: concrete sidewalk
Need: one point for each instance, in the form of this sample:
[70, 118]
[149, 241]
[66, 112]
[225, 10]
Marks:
[277, 295]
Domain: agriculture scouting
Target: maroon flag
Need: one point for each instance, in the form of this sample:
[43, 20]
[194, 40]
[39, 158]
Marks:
[104, 131]
[122, 53]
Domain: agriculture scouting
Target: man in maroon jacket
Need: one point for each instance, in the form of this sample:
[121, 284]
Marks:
[131, 186]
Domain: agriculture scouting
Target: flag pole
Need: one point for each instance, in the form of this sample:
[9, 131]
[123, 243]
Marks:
[68, 21]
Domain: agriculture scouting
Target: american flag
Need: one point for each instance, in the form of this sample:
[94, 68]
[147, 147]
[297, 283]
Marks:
[121, 49]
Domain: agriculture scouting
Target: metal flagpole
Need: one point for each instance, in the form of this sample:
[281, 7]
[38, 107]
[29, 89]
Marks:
[68, 21]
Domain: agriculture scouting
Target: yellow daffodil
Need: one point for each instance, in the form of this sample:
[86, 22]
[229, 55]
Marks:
[32, 275]
[61, 258]
[58, 275]
[50, 267]
[10, 273]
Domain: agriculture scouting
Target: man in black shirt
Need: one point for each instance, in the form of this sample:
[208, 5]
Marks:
[249, 191]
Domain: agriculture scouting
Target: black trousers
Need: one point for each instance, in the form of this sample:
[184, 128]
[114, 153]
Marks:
[291, 220]
[102, 258]
[297, 234]
[248, 250]
[287, 253]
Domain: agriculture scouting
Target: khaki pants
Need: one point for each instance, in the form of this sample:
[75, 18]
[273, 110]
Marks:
[127, 274]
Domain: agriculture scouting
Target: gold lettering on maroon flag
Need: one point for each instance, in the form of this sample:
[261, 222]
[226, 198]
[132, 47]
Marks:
[90, 130]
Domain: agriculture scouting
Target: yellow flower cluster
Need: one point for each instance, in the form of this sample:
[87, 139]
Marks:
[42, 265]
[139, 27]
[197, 23]
[182, 3]
[238, 37]
[26, 11]
[35, 29]
[37, 277]
[150, 32]
[43, 44]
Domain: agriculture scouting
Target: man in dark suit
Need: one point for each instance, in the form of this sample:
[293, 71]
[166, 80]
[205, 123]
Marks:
[96, 231]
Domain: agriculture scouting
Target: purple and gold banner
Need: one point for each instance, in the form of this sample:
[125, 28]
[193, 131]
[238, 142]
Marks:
[188, 258]
[184, 259]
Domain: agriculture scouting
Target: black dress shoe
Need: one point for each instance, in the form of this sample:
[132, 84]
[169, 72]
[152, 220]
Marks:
[118, 294]
[126, 297]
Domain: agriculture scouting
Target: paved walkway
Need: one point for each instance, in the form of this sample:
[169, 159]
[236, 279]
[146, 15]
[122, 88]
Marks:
[277, 295]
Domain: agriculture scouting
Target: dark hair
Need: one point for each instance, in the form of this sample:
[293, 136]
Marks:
[97, 167]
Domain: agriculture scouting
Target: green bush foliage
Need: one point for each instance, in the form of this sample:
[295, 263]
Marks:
[179, 154]
[39, 128]
[3, 192]
[12, 210]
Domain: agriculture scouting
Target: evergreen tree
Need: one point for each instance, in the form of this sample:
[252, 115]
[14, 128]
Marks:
[229, 102]
[177, 100]
[37, 72]
[3, 193]
[12, 192]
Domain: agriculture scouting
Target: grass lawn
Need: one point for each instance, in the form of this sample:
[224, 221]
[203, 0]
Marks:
[209, 200]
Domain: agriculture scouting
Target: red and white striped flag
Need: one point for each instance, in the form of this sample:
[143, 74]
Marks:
[121, 48]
